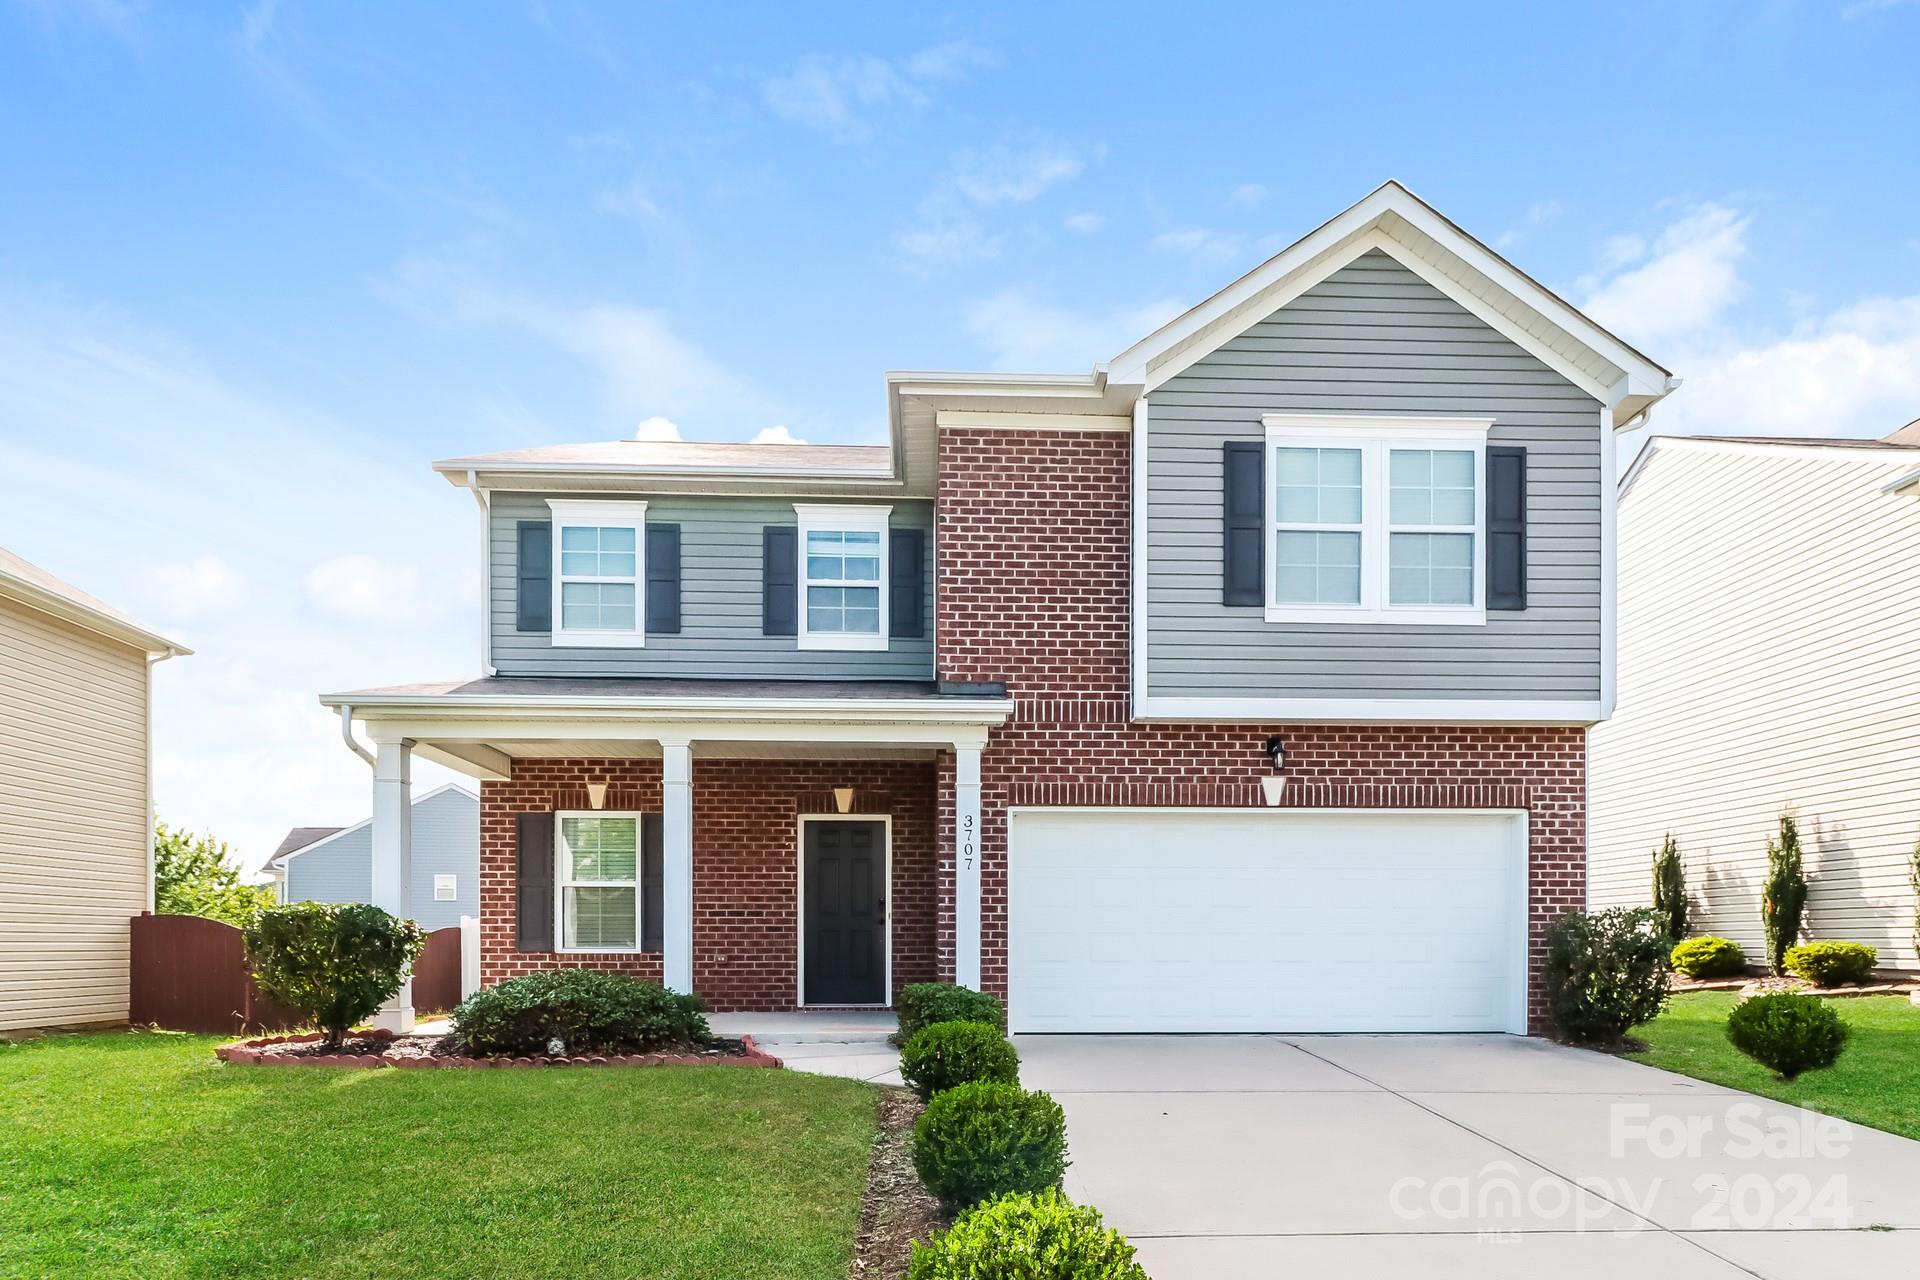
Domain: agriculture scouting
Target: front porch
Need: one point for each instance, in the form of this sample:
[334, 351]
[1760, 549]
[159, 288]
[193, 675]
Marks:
[772, 851]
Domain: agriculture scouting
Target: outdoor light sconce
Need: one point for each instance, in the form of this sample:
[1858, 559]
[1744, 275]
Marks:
[843, 799]
[596, 795]
[1274, 785]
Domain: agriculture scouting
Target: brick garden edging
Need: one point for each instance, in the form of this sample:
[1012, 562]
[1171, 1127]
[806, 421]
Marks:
[251, 1053]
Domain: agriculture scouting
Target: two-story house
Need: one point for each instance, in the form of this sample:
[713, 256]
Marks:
[1239, 684]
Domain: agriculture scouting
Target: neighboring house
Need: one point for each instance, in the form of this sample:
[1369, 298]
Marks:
[793, 726]
[1768, 648]
[76, 803]
[335, 864]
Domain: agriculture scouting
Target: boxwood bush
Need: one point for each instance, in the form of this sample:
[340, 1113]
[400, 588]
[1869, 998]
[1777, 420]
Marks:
[1709, 958]
[1027, 1237]
[1606, 972]
[986, 1138]
[1832, 964]
[950, 1053]
[588, 1011]
[1788, 1032]
[921, 1004]
[334, 963]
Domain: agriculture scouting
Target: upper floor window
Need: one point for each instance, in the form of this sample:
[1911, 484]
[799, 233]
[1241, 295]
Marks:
[599, 566]
[1376, 519]
[843, 576]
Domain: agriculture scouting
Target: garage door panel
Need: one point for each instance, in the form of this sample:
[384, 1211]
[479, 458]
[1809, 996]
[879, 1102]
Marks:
[1162, 920]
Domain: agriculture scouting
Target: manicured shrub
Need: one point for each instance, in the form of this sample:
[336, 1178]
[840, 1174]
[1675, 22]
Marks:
[1709, 958]
[1784, 895]
[950, 1053]
[1788, 1032]
[1670, 889]
[922, 1004]
[984, 1139]
[334, 963]
[1606, 972]
[1832, 964]
[1027, 1237]
[587, 1010]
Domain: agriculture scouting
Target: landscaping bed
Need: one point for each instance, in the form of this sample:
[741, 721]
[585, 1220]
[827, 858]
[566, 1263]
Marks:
[385, 1049]
[899, 1209]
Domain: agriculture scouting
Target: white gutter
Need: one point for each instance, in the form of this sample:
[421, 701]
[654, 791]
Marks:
[987, 711]
[346, 735]
[486, 572]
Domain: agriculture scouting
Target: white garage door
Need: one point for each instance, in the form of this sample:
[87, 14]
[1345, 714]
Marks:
[1265, 920]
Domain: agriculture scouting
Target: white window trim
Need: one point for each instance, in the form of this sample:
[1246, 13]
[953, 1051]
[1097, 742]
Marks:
[562, 858]
[818, 517]
[629, 515]
[1375, 436]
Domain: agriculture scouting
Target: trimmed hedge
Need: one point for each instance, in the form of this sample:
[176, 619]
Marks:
[1026, 1237]
[1606, 972]
[1832, 964]
[1709, 958]
[1789, 1032]
[334, 963]
[985, 1138]
[921, 1004]
[952, 1053]
[587, 1010]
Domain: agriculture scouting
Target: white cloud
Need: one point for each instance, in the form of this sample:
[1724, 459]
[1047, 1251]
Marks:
[841, 96]
[1022, 333]
[190, 590]
[947, 243]
[1691, 277]
[657, 429]
[1204, 243]
[1248, 195]
[629, 200]
[949, 230]
[375, 591]
[1538, 214]
[1002, 175]
[775, 435]
[1084, 224]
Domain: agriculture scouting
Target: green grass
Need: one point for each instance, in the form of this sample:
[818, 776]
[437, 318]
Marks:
[1876, 1082]
[136, 1154]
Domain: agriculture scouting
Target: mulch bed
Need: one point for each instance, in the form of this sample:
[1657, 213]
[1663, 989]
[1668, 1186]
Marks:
[384, 1049]
[898, 1210]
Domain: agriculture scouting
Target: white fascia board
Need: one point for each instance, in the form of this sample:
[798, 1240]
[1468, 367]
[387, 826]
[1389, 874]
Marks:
[280, 864]
[458, 470]
[443, 726]
[987, 711]
[945, 418]
[34, 596]
[1431, 711]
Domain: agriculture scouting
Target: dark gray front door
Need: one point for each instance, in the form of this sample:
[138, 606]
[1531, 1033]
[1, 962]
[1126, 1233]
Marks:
[845, 909]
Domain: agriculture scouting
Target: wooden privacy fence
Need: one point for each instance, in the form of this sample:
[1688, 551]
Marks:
[190, 974]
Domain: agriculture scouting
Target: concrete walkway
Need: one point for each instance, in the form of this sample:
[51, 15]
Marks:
[1482, 1156]
[823, 1043]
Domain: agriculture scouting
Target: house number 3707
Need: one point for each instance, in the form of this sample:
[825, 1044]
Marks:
[966, 842]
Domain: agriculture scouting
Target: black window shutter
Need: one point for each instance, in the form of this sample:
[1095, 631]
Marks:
[652, 879]
[907, 583]
[779, 580]
[663, 579]
[533, 574]
[1243, 537]
[533, 833]
[1506, 527]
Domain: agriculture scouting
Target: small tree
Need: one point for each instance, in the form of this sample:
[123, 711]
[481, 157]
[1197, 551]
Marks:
[334, 963]
[1784, 896]
[196, 876]
[1670, 889]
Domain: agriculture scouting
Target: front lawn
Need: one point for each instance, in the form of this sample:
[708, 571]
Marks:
[1876, 1082]
[137, 1155]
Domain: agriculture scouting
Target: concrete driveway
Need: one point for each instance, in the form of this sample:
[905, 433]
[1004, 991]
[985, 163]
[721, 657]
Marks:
[1481, 1156]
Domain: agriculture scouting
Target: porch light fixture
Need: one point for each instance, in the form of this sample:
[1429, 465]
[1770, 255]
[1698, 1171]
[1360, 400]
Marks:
[843, 799]
[596, 795]
[1274, 785]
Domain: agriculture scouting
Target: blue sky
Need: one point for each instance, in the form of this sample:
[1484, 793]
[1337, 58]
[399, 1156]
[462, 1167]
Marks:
[259, 265]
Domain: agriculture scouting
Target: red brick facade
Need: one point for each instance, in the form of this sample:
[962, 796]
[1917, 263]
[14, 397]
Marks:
[745, 867]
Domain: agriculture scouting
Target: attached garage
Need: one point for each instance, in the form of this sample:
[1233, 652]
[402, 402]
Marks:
[1168, 920]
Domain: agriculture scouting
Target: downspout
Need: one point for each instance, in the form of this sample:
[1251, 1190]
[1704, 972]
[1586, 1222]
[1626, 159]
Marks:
[346, 735]
[486, 572]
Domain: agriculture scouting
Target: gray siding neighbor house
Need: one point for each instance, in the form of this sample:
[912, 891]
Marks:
[335, 864]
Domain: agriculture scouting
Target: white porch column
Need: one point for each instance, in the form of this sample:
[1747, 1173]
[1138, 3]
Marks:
[676, 864]
[393, 858]
[966, 866]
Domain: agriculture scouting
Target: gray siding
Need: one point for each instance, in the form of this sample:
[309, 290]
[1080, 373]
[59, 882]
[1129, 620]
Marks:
[1373, 337]
[719, 602]
[446, 841]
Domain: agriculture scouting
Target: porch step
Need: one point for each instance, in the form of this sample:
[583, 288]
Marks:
[819, 1026]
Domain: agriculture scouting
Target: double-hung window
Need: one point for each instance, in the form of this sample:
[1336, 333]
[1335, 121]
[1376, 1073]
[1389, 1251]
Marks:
[1376, 519]
[599, 573]
[843, 576]
[597, 881]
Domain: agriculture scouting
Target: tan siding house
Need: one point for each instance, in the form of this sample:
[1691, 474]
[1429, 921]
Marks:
[1769, 660]
[75, 808]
